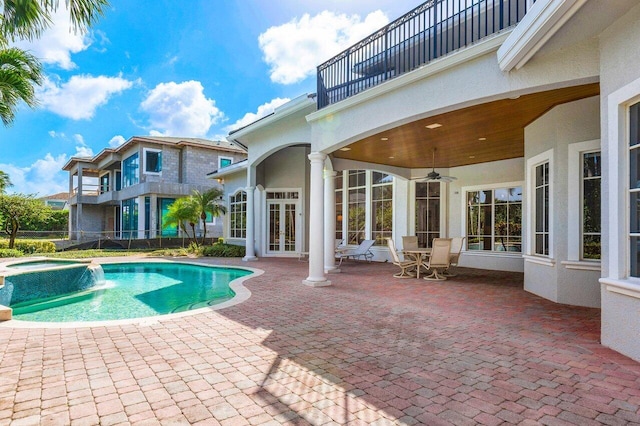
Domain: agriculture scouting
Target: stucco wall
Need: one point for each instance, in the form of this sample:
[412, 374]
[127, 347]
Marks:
[620, 55]
[563, 125]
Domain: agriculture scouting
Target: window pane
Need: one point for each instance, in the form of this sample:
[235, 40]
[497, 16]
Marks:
[339, 180]
[634, 213]
[421, 189]
[501, 195]
[539, 209]
[591, 207]
[153, 161]
[634, 121]
[381, 178]
[539, 175]
[591, 165]
[515, 194]
[634, 169]
[515, 220]
[434, 215]
[502, 220]
[635, 257]
[591, 247]
[434, 189]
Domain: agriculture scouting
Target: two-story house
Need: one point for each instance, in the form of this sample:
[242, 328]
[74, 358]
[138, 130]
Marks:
[124, 192]
[533, 105]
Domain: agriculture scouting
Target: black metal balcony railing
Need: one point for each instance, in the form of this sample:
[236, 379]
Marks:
[431, 30]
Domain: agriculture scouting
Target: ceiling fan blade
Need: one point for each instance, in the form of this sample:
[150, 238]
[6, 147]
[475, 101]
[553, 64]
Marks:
[448, 178]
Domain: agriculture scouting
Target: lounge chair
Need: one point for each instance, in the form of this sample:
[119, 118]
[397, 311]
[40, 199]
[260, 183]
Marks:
[404, 265]
[456, 248]
[439, 259]
[363, 250]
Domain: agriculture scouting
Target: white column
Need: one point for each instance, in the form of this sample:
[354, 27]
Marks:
[250, 253]
[153, 216]
[79, 226]
[141, 217]
[330, 221]
[316, 276]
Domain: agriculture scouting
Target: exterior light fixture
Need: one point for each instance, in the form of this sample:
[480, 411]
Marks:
[345, 149]
[433, 126]
[384, 139]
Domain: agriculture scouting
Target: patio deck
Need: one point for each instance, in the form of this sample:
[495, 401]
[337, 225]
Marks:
[370, 349]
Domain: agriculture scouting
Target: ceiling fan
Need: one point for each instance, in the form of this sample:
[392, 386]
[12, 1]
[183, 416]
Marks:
[433, 175]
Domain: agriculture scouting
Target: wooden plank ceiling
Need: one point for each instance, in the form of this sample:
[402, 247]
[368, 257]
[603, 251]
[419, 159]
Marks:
[481, 133]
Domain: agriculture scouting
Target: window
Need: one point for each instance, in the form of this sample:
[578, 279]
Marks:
[541, 208]
[356, 206]
[130, 171]
[339, 207]
[591, 202]
[494, 219]
[224, 162]
[381, 207]
[427, 212]
[238, 215]
[163, 210]
[130, 218]
[118, 180]
[634, 188]
[104, 183]
[152, 160]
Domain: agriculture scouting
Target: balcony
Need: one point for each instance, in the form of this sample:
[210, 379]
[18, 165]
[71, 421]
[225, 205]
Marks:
[430, 31]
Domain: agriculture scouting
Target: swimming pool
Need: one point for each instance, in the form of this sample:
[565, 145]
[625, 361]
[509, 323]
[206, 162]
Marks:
[136, 290]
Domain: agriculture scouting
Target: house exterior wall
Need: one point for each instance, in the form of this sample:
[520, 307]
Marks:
[554, 132]
[619, 84]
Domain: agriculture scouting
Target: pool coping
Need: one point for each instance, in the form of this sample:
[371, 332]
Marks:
[241, 295]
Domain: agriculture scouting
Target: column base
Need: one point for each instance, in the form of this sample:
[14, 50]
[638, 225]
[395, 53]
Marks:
[249, 259]
[312, 283]
[332, 270]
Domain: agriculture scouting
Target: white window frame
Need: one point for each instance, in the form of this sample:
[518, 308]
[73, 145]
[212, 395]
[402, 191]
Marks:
[220, 158]
[144, 161]
[574, 211]
[229, 213]
[464, 211]
[615, 259]
[529, 254]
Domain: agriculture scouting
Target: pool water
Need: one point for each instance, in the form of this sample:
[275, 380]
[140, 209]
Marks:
[41, 264]
[136, 290]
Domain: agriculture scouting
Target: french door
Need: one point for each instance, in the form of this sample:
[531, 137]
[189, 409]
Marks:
[282, 224]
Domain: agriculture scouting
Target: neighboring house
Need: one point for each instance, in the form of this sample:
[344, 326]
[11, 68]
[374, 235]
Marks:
[59, 201]
[125, 192]
[533, 106]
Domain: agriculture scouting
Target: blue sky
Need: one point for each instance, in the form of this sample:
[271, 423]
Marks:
[197, 68]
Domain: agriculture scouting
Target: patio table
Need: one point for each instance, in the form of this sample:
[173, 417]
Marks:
[418, 255]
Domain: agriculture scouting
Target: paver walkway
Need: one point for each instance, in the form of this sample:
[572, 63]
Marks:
[371, 349]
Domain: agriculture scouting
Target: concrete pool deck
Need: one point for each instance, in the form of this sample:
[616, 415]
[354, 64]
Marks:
[370, 349]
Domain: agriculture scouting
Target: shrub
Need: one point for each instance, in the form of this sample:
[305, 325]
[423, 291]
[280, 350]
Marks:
[5, 252]
[223, 250]
[30, 246]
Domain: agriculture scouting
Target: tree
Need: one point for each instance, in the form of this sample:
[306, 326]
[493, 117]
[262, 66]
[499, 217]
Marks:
[210, 202]
[182, 211]
[16, 209]
[20, 71]
[4, 181]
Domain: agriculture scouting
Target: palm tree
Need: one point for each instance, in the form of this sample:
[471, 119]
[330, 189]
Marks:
[182, 211]
[26, 20]
[4, 182]
[210, 202]
[19, 73]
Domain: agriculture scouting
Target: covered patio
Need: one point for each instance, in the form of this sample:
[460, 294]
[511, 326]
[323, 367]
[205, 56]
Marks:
[370, 349]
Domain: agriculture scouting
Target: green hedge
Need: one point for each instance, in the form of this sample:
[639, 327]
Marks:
[10, 252]
[30, 246]
[223, 250]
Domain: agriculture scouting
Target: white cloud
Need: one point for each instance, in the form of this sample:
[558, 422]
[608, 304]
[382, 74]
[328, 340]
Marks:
[263, 110]
[58, 42]
[180, 109]
[116, 141]
[79, 97]
[43, 177]
[294, 50]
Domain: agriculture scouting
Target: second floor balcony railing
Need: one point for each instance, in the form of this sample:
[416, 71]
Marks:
[431, 30]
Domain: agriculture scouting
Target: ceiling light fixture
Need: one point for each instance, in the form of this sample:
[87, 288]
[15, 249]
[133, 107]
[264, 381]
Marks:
[433, 126]
[384, 139]
[345, 149]
[482, 139]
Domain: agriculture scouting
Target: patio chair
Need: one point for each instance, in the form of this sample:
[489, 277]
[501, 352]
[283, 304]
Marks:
[404, 265]
[456, 248]
[363, 250]
[409, 242]
[439, 259]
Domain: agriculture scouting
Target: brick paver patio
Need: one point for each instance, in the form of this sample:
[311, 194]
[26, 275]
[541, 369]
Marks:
[371, 349]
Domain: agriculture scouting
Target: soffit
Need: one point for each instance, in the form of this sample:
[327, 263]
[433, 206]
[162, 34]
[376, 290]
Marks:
[458, 141]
